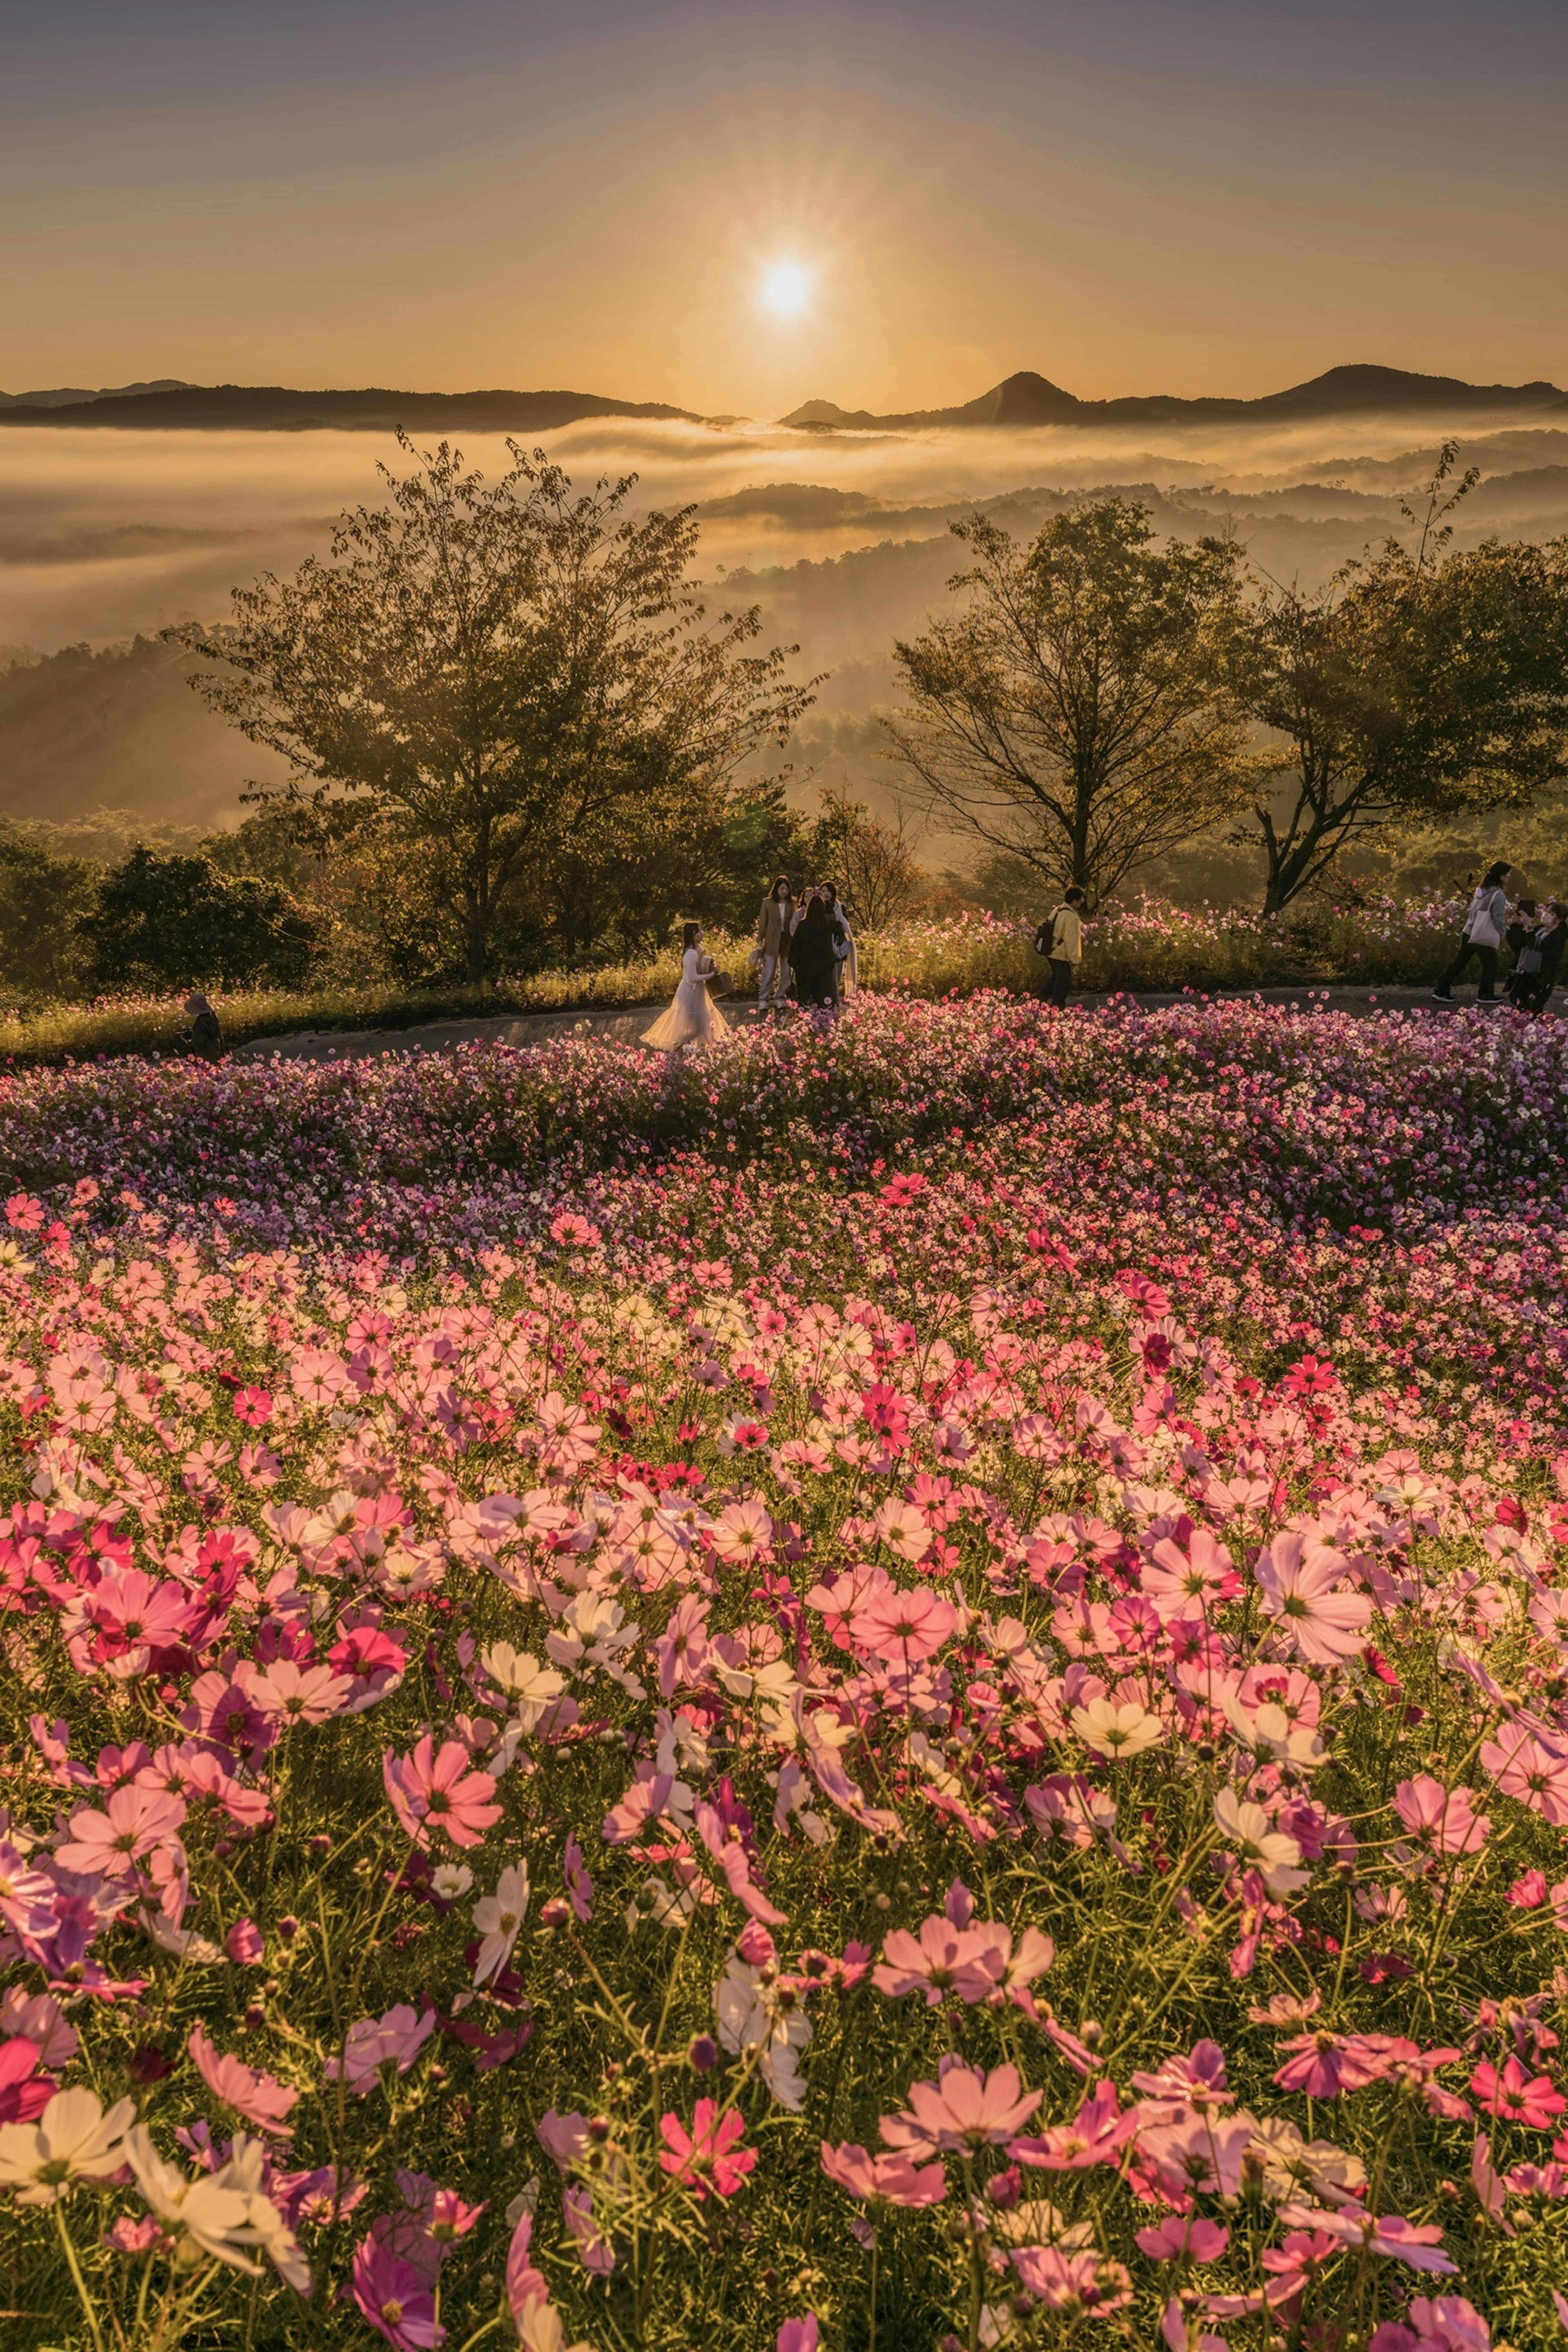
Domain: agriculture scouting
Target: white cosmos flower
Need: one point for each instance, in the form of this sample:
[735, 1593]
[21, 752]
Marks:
[1270, 1733]
[1116, 1730]
[244, 2172]
[534, 1688]
[72, 2140]
[214, 2217]
[539, 2330]
[452, 1881]
[498, 1917]
[1269, 1852]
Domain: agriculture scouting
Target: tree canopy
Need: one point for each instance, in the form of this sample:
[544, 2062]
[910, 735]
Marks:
[1076, 714]
[1420, 683]
[511, 683]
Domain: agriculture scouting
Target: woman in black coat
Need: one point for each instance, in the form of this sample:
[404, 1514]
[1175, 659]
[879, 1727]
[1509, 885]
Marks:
[811, 955]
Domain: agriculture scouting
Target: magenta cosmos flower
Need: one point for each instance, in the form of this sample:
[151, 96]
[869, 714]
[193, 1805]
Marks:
[394, 2298]
[706, 2156]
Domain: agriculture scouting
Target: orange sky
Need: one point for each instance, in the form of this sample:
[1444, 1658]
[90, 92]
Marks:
[1187, 196]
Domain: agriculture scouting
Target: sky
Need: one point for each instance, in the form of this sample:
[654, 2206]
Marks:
[736, 207]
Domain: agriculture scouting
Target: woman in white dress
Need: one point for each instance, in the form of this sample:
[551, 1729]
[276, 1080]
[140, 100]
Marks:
[692, 1016]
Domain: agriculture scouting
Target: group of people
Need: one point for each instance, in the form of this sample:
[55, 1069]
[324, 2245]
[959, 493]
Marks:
[805, 944]
[1535, 931]
[805, 947]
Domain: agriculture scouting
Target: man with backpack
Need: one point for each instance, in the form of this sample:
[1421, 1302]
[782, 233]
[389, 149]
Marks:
[1060, 940]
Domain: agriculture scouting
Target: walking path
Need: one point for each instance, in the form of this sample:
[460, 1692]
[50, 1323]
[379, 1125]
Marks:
[625, 1023]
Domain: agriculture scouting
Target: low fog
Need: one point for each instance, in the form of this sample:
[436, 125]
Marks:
[841, 537]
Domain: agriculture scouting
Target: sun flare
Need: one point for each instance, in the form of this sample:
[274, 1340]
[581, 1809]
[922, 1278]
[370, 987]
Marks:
[785, 289]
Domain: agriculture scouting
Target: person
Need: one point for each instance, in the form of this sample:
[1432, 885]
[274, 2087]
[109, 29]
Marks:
[1521, 924]
[775, 922]
[1486, 922]
[692, 1016]
[1060, 940]
[203, 1036]
[811, 953]
[846, 963]
[1534, 975]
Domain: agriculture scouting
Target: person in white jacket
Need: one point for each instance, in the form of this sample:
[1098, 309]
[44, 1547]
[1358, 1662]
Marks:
[1486, 921]
[1060, 940]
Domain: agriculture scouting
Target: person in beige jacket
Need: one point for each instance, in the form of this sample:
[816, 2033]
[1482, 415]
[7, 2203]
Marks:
[1060, 940]
[776, 924]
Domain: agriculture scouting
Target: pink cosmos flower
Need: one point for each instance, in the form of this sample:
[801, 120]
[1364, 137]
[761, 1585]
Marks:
[440, 1791]
[1183, 2237]
[1200, 2154]
[1096, 2136]
[1443, 1819]
[133, 1823]
[1440, 2323]
[397, 2301]
[895, 2179]
[579, 1884]
[394, 2040]
[1187, 1583]
[1420, 2244]
[964, 2108]
[903, 1626]
[798, 2335]
[23, 2092]
[595, 2251]
[1299, 1577]
[707, 2155]
[1519, 2099]
[564, 2139]
[524, 2283]
[244, 1944]
[1523, 1768]
[296, 1694]
[1066, 2281]
[259, 2097]
[943, 1958]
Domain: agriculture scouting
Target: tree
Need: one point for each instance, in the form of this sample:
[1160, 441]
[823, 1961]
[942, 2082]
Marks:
[170, 921]
[1418, 685]
[870, 862]
[1077, 714]
[515, 682]
[42, 900]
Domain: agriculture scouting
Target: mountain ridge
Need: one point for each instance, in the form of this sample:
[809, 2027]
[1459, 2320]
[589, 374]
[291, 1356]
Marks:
[1023, 398]
[1356, 389]
[239, 407]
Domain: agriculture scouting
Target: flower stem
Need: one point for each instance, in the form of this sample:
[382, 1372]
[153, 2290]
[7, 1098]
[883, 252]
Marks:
[87, 2302]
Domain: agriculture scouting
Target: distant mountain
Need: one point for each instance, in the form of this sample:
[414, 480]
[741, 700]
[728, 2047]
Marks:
[73, 395]
[1030, 399]
[273, 408]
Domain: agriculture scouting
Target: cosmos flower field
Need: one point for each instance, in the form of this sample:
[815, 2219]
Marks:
[895, 1687]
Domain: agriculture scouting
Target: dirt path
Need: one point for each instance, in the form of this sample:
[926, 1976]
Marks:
[624, 1024]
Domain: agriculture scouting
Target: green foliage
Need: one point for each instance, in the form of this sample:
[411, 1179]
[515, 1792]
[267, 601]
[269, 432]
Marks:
[176, 920]
[1078, 714]
[42, 900]
[1418, 686]
[514, 682]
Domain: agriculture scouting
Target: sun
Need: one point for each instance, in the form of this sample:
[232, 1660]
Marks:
[785, 289]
